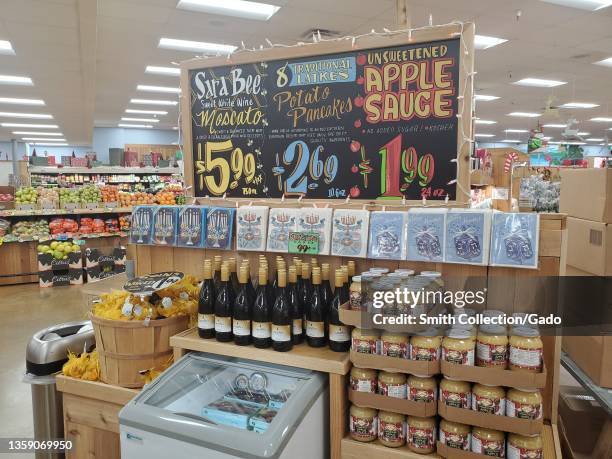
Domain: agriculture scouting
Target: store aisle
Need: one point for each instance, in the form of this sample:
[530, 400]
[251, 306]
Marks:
[24, 310]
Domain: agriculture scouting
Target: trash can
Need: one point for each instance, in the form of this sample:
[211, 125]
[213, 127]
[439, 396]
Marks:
[46, 353]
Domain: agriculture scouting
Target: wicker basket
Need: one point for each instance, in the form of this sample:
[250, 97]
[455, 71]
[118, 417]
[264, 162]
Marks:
[127, 347]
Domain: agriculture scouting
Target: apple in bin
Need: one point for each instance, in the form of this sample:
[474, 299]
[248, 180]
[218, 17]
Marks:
[355, 192]
[5, 197]
[354, 169]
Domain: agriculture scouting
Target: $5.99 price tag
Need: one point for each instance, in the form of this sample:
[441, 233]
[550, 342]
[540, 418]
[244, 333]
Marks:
[303, 242]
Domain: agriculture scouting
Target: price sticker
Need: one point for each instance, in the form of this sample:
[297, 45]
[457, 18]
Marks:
[303, 242]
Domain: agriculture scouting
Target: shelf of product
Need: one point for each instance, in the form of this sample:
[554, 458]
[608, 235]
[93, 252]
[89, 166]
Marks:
[103, 170]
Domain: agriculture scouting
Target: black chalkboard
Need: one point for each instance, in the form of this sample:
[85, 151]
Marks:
[370, 124]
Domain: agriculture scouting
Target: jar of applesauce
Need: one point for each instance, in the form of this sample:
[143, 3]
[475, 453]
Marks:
[421, 434]
[526, 349]
[422, 389]
[394, 345]
[355, 294]
[492, 347]
[425, 345]
[391, 429]
[524, 404]
[489, 399]
[455, 393]
[488, 442]
[524, 446]
[392, 384]
[363, 380]
[455, 435]
[458, 347]
[365, 341]
[363, 423]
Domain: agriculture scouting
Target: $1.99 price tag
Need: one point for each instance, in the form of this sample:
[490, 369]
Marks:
[303, 242]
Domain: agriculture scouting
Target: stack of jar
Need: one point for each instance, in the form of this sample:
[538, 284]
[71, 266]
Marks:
[421, 346]
[414, 387]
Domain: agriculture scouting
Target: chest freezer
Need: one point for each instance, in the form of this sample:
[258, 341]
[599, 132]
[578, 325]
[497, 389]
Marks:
[218, 408]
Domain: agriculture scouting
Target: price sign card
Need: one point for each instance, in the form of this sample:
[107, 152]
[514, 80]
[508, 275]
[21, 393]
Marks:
[304, 242]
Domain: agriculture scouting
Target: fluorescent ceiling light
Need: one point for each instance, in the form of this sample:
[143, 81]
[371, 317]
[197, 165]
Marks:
[539, 83]
[195, 46]
[35, 116]
[236, 8]
[589, 5]
[28, 125]
[547, 138]
[6, 47]
[163, 70]
[485, 42]
[175, 128]
[153, 102]
[562, 142]
[579, 105]
[602, 119]
[595, 139]
[144, 120]
[584, 133]
[605, 62]
[517, 131]
[38, 133]
[559, 126]
[43, 139]
[145, 87]
[17, 101]
[479, 121]
[484, 135]
[485, 98]
[49, 144]
[524, 114]
[145, 126]
[146, 112]
[509, 141]
[11, 79]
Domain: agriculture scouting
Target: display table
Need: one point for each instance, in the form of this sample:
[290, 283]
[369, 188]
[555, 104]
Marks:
[336, 364]
[91, 416]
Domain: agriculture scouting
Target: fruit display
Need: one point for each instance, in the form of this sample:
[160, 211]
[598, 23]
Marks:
[124, 222]
[26, 195]
[69, 196]
[92, 225]
[5, 227]
[59, 250]
[110, 193]
[48, 197]
[90, 193]
[6, 197]
[112, 225]
[165, 198]
[30, 229]
[63, 225]
[135, 199]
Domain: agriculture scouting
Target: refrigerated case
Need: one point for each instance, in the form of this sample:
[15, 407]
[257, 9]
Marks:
[206, 406]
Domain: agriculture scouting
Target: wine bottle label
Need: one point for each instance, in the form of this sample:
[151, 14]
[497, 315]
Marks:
[261, 330]
[223, 324]
[241, 327]
[281, 332]
[339, 333]
[315, 329]
[297, 327]
[206, 321]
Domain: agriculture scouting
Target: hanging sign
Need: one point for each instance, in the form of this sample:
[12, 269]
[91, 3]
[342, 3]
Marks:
[149, 283]
[376, 123]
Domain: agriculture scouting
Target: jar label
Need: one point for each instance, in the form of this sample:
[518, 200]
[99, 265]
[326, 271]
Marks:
[495, 448]
[363, 385]
[365, 346]
[281, 333]
[364, 428]
[297, 327]
[262, 330]
[455, 399]
[206, 321]
[515, 452]
[394, 349]
[465, 357]
[455, 440]
[523, 410]
[241, 327]
[392, 390]
[339, 333]
[421, 438]
[355, 299]
[223, 324]
[488, 405]
[528, 359]
[392, 432]
[430, 354]
[315, 329]
[491, 354]
[422, 395]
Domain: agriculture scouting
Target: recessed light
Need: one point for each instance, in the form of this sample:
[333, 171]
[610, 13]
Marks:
[34, 116]
[584, 133]
[579, 105]
[195, 46]
[144, 120]
[43, 139]
[146, 112]
[547, 138]
[153, 102]
[517, 131]
[485, 98]
[17, 101]
[509, 141]
[144, 126]
[236, 8]
[601, 119]
[28, 125]
[149, 88]
[38, 133]
[539, 83]
[559, 126]
[174, 71]
[479, 121]
[484, 135]
[589, 5]
[595, 139]
[485, 42]
[605, 62]
[20, 80]
[175, 128]
[6, 47]
[524, 114]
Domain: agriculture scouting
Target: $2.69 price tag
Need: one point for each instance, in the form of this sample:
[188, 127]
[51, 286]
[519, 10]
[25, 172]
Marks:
[303, 242]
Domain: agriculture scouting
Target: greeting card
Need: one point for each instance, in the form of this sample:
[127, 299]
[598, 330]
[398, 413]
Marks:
[251, 228]
[191, 226]
[425, 240]
[515, 240]
[165, 223]
[141, 225]
[350, 233]
[281, 222]
[318, 221]
[219, 226]
[387, 236]
[467, 236]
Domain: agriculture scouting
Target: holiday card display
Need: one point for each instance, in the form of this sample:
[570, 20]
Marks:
[387, 236]
[142, 228]
[219, 228]
[350, 233]
[515, 240]
[467, 236]
[281, 223]
[191, 226]
[318, 221]
[425, 234]
[164, 225]
[251, 227]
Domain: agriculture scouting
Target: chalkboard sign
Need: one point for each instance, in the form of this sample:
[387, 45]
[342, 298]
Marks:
[378, 123]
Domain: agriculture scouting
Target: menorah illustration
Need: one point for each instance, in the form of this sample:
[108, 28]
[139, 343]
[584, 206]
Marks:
[164, 225]
[190, 225]
[218, 225]
[141, 224]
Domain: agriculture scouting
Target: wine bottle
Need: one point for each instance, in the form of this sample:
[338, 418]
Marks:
[250, 289]
[298, 271]
[261, 327]
[241, 325]
[339, 336]
[233, 274]
[281, 316]
[206, 304]
[306, 291]
[217, 271]
[314, 262]
[351, 268]
[297, 311]
[326, 290]
[280, 265]
[223, 307]
[344, 290]
[315, 313]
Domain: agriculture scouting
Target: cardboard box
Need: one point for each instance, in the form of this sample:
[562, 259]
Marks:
[573, 271]
[396, 405]
[102, 264]
[395, 364]
[593, 354]
[494, 376]
[47, 262]
[454, 453]
[587, 193]
[589, 246]
[61, 278]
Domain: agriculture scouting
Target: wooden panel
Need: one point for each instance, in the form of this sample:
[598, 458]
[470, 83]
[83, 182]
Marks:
[92, 413]
[95, 390]
[338, 413]
[91, 443]
[189, 261]
[162, 259]
[143, 260]
[18, 258]
[550, 243]
[352, 449]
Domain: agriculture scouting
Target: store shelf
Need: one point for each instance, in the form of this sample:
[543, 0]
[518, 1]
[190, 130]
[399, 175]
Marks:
[72, 236]
[352, 449]
[103, 170]
[301, 356]
[53, 212]
[601, 395]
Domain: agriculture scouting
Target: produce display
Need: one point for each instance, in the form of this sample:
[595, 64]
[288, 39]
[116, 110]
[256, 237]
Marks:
[63, 225]
[5, 226]
[47, 197]
[28, 230]
[59, 250]
[6, 197]
[133, 199]
[124, 222]
[26, 195]
[86, 366]
[110, 193]
[69, 196]
[90, 193]
[165, 198]
[92, 225]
